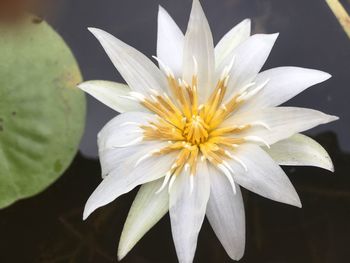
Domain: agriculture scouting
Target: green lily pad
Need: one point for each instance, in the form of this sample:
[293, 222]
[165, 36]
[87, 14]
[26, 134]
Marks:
[42, 113]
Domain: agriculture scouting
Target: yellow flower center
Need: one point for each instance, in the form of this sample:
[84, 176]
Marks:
[194, 130]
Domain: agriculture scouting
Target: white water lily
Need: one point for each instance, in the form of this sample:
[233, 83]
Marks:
[194, 130]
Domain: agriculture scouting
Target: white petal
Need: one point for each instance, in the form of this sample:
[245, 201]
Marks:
[126, 176]
[170, 42]
[111, 94]
[146, 210]
[199, 46]
[300, 150]
[231, 40]
[249, 57]
[225, 212]
[123, 130]
[113, 158]
[283, 84]
[264, 176]
[187, 210]
[283, 122]
[140, 73]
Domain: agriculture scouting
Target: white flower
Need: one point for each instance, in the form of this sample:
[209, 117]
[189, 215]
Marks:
[199, 127]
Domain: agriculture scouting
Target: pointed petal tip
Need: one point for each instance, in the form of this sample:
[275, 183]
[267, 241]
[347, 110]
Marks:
[162, 13]
[97, 32]
[82, 86]
[326, 76]
[332, 118]
[160, 9]
[296, 202]
[196, 4]
[121, 252]
[292, 200]
[275, 35]
[85, 215]
[236, 257]
[93, 29]
[124, 247]
[87, 212]
[331, 167]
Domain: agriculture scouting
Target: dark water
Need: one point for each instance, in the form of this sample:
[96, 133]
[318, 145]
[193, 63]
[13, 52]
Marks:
[49, 228]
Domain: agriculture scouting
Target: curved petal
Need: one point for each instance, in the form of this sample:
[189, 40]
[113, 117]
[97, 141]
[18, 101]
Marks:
[231, 40]
[249, 58]
[187, 210]
[146, 210]
[111, 94]
[263, 175]
[283, 122]
[123, 130]
[170, 42]
[300, 150]
[128, 174]
[140, 73]
[283, 84]
[199, 47]
[225, 212]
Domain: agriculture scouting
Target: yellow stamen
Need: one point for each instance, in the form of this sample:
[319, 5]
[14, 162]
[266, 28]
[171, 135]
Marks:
[194, 130]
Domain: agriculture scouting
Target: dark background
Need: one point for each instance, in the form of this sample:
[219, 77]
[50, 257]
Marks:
[49, 227]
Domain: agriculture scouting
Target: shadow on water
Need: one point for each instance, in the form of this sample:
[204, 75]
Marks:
[49, 227]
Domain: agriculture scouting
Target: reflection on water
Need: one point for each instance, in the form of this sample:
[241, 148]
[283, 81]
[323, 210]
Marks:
[49, 227]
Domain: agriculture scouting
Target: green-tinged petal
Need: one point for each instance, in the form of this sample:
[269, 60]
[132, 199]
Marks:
[187, 210]
[231, 40]
[300, 150]
[225, 212]
[112, 94]
[126, 171]
[262, 175]
[147, 209]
